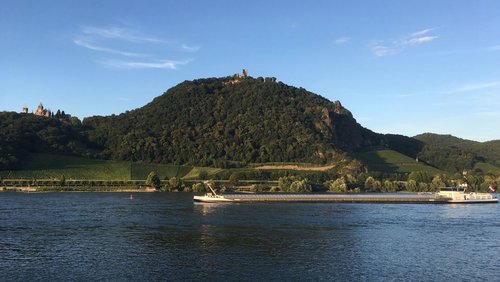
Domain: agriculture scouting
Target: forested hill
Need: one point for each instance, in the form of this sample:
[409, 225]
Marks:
[232, 119]
[454, 154]
[21, 134]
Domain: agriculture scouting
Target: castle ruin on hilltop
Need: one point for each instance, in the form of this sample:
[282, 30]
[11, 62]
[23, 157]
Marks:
[40, 111]
[237, 78]
[43, 112]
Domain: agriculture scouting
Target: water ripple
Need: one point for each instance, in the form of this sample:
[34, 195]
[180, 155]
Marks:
[105, 236]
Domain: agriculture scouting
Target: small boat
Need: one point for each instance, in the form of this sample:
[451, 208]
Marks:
[212, 197]
[459, 195]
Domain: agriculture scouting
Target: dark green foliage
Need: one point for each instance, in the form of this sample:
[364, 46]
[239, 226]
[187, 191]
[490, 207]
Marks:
[233, 179]
[198, 187]
[21, 134]
[337, 186]
[210, 122]
[218, 122]
[420, 176]
[292, 184]
[404, 145]
[153, 180]
[454, 154]
[175, 184]
[62, 181]
[372, 185]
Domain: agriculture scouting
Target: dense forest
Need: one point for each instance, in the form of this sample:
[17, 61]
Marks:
[453, 154]
[212, 121]
[230, 122]
[21, 134]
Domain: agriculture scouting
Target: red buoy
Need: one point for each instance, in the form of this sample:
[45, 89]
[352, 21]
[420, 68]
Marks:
[131, 197]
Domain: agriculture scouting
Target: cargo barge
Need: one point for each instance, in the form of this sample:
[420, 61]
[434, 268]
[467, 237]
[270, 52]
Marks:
[318, 198]
[446, 196]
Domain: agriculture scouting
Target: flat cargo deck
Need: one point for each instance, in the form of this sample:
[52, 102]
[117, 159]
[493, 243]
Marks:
[353, 198]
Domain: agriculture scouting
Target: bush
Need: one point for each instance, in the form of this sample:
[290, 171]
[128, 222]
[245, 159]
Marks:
[153, 180]
[198, 187]
[372, 185]
[337, 186]
[259, 188]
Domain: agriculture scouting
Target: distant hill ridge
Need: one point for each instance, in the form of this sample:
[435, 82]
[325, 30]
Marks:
[254, 120]
[454, 154]
[230, 122]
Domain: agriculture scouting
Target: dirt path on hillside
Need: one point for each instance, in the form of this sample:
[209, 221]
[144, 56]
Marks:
[296, 167]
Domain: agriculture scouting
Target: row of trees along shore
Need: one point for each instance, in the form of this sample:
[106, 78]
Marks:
[414, 182]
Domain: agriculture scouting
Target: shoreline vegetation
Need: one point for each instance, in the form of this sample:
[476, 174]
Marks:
[396, 173]
[285, 184]
[244, 134]
[73, 189]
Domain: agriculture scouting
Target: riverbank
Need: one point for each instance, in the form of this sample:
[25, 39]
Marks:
[77, 189]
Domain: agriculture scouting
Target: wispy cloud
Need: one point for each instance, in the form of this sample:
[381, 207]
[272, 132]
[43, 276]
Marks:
[477, 86]
[104, 40]
[381, 48]
[421, 32]
[114, 32]
[381, 51]
[188, 48]
[419, 40]
[89, 45]
[342, 40]
[160, 64]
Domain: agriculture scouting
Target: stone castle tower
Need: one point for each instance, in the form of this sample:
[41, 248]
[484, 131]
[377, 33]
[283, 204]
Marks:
[40, 111]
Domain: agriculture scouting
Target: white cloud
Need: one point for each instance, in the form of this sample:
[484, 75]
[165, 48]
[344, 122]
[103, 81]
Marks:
[419, 40]
[381, 51]
[422, 32]
[392, 47]
[100, 38]
[477, 86]
[88, 45]
[160, 64]
[118, 33]
[342, 40]
[188, 48]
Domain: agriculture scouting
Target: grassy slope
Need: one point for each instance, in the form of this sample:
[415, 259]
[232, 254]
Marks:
[164, 171]
[195, 172]
[47, 166]
[488, 168]
[392, 161]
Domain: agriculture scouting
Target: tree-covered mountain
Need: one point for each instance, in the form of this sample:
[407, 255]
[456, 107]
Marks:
[21, 134]
[454, 154]
[232, 119]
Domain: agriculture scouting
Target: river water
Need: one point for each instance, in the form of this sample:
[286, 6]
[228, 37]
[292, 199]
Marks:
[165, 236]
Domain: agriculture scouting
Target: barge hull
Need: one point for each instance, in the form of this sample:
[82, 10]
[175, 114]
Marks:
[325, 198]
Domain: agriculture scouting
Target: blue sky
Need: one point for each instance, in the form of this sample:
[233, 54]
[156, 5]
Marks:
[402, 67]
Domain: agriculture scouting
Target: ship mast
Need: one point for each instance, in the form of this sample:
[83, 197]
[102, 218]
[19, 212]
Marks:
[210, 186]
